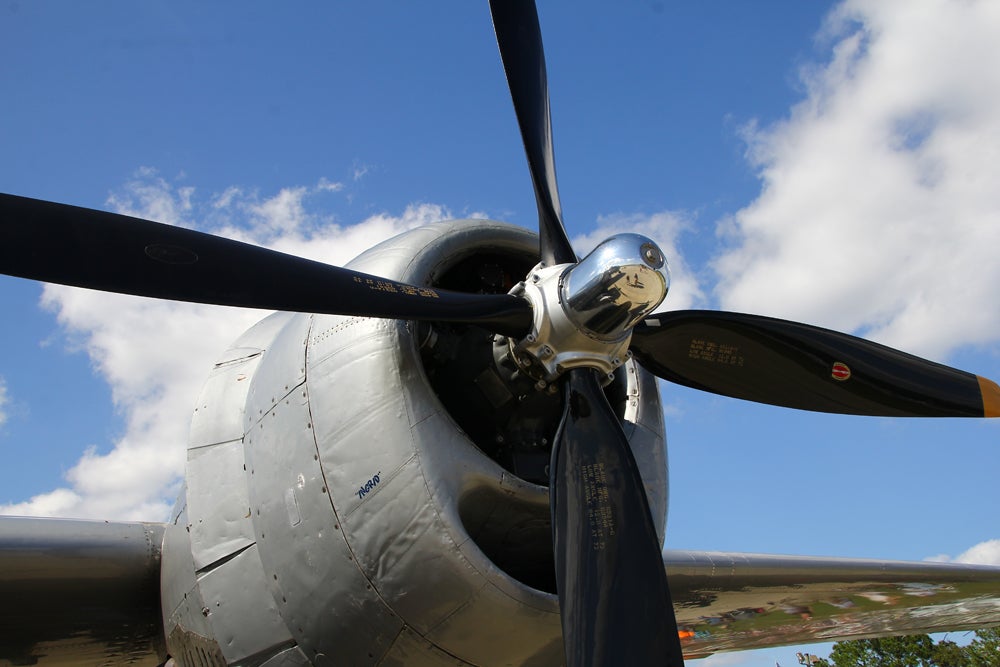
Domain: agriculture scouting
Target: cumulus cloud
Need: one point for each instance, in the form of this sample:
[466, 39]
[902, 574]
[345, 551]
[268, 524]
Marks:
[664, 227]
[878, 211]
[984, 553]
[155, 354]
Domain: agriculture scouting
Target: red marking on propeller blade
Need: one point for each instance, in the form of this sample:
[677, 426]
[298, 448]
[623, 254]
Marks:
[840, 371]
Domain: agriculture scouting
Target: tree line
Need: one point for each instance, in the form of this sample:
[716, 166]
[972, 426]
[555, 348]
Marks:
[915, 651]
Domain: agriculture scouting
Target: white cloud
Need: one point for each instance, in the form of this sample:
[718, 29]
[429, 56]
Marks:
[337, 244]
[360, 171]
[879, 208]
[665, 228]
[54, 503]
[156, 354]
[984, 553]
[149, 196]
[326, 185]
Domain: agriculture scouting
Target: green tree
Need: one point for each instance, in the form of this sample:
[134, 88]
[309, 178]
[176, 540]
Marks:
[906, 651]
[984, 650]
[949, 654]
[916, 651]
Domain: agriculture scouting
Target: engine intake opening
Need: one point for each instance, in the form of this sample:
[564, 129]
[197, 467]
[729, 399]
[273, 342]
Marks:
[513, 533]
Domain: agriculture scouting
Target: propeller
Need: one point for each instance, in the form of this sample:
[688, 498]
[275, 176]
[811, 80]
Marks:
[609, 569]
[116, 253]
[613, 591]
[614, 600]
[795, 365]
[519, 38]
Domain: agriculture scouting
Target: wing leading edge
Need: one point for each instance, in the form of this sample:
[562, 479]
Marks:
[79, 592]
[736, 601]
[84, 592]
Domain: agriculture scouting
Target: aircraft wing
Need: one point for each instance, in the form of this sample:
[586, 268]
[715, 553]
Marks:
[79, 592]
[736, 601]
[87, 593]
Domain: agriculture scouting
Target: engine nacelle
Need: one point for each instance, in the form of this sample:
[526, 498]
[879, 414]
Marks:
[364, 491]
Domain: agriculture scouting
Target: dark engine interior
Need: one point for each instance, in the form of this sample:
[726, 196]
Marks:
[509, 415]
[503, 410]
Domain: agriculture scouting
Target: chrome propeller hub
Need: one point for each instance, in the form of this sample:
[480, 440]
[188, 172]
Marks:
[584, 313]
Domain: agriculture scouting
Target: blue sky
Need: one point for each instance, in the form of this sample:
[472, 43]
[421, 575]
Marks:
[833, 163]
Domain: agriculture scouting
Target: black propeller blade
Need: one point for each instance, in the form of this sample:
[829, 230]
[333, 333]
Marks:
[800, 366]
[116, 253]
[615, 604]
[614, 600]
[520, 40]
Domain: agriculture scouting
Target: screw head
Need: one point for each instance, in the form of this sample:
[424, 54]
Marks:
[651, 255]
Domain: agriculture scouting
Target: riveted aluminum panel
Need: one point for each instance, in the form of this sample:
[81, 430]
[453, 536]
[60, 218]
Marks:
[219, 512]
[176, 571]
[425, 541]
[412, 650]
[211, 526]
[482, 630]
[229, 592]
[261, 335]
[452, 467]
[408, 552]
[180, 598]
[282, 368]
[329, 607]
[189, 637]
[218, 414]
[479, 630]
[361, 421]
[392, 527]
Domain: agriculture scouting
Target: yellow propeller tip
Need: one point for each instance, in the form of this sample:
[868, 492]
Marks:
[991, 397]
